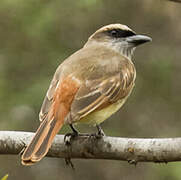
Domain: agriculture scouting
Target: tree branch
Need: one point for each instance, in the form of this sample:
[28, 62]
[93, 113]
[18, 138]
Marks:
[132, 150]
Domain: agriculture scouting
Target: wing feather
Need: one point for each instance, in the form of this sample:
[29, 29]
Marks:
[47, 102]
[97, 94]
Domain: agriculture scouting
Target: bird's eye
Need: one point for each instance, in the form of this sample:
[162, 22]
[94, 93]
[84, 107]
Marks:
[119, 33]
[114, 33]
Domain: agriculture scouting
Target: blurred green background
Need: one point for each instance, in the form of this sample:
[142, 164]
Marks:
[37, 35]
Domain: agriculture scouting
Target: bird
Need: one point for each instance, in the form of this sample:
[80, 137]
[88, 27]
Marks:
[88, 87]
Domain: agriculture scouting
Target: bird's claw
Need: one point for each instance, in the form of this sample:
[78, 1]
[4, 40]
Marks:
[100, 133]
[96, 135]
[69, 136]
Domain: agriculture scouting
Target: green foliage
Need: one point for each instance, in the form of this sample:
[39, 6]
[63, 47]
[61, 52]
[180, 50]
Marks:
[5, 177]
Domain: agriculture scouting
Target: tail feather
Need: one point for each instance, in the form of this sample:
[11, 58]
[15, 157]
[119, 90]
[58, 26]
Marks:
[41, 142]
[57, 111]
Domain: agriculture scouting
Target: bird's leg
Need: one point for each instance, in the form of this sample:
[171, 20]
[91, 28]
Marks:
[75, 131]
[69, 136]
[100, 131]
[67, 139]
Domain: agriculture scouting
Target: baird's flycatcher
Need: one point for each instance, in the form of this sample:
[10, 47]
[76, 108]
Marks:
[88, 87]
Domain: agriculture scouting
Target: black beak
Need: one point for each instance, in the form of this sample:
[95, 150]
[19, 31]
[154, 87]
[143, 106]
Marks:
[138, 39]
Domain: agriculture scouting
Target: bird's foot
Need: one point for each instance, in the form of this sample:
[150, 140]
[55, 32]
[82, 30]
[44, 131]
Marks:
[69, 137]
[95, 136]
[68, 141]
[100, 133]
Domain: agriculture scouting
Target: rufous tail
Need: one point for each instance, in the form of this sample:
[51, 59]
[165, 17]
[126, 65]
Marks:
[41, 142]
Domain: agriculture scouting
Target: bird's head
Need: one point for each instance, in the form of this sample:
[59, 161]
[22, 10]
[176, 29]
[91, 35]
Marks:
[118, 37]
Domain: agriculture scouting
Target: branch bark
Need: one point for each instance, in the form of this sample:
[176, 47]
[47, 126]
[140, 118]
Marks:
[132, 150]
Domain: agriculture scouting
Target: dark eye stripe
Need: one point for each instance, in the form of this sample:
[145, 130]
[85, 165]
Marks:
[118, 33]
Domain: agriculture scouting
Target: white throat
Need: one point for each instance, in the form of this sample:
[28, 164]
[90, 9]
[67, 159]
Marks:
[123, 49]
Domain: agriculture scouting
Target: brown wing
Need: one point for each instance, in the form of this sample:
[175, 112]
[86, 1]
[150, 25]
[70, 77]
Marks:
[101, 83]
[49, 96]
[96, 94]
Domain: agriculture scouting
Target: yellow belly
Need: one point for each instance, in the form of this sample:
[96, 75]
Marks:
[99, 116]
